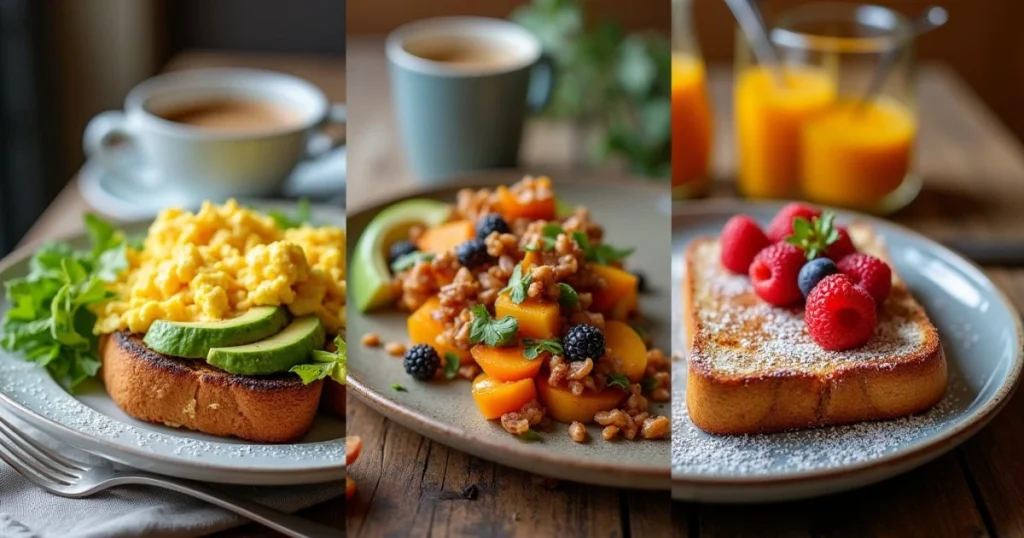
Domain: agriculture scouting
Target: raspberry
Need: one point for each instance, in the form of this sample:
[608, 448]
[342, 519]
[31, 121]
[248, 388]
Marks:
[741, 240]
[842, 247]
[781, 226]
[813, 272]
[869, 273]
[774, 274]
[839, 314]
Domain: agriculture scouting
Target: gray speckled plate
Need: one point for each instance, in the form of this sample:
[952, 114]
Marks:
[90, 420]
[633, 214]
[980, 333]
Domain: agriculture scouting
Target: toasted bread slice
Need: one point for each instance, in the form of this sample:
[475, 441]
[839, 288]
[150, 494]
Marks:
[753, 367]
[187, 393]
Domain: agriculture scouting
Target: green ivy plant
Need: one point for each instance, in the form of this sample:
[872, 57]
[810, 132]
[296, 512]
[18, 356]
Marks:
[620, 82]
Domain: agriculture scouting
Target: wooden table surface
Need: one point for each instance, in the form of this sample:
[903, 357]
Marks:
[64, 216]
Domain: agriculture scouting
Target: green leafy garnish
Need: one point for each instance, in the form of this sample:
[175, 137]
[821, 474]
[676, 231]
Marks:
[451, 365]
[407, 261]
[518, 284]
[548, 235]
[50, 322]
[303, 215]
[600, 253]
[325, 364]
[567, 296]
[618, 380]
[529, 436]
[814, 236]
[648, 384]
[493, 332]
[534, 347]
[398, 388]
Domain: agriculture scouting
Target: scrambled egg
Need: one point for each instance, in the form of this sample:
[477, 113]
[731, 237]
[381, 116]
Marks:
[223, 260]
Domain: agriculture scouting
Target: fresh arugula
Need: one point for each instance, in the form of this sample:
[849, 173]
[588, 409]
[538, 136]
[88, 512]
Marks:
[815, 236]
[303, 215]
[567, 296]
[407, 261]
[518, 284]
[50, 322]
[325, 364]
[533, 347]
[600, 253]
[398, 388]
[618, 380]
[489, 331]
[451, 365]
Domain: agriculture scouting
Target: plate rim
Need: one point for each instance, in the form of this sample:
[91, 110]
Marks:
[947, 439]
[650, 477]
[34, 418]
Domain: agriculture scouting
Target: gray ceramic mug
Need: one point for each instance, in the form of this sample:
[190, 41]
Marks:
[462, 87]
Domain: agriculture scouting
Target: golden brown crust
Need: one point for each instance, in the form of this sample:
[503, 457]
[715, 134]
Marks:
[191, 394]
[791, 398]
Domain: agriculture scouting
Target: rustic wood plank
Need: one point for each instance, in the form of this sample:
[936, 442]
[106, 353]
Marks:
[650, 513]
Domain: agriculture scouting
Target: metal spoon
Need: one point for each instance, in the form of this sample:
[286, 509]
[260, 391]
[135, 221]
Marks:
[932, 18]
[752, 24]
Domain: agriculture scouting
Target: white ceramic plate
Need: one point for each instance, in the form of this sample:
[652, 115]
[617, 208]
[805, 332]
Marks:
[89, 419]
[980, 333]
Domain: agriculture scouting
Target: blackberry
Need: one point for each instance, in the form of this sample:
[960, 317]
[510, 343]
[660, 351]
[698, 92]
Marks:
[400, 249]
[813, 272]
[421, 362]
[473, 254]
[582, 342]
[491, 222]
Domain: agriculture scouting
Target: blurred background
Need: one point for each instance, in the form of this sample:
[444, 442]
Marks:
[63, 62]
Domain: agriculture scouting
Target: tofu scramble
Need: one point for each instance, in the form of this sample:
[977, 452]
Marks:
[219, 262]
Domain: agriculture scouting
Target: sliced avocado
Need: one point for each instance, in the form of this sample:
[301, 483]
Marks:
[273, 355]
[371, 276]
[194, 340]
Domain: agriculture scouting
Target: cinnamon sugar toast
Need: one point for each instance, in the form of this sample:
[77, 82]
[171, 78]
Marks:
[753, 367]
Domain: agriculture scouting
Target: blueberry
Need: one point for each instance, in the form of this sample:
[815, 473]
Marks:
[813, 272]
[399, 249]
[490, 223]
[473, 253]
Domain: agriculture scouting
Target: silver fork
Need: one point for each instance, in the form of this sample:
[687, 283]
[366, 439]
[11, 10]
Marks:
[69, 478]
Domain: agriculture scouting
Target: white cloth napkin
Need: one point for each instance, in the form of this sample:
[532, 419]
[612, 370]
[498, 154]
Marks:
[27, 511]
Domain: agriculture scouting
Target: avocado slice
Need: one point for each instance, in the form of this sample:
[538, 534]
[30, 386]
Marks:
[273, 355]
[194, 340]
[370, 271]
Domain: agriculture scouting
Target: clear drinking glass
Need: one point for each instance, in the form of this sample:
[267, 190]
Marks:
[808, 131]
[691, 108]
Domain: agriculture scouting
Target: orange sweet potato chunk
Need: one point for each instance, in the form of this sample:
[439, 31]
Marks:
[620, 286]
[564, 406]
[424, 329]
[537, 319]
[495, 398]
[445, 237]
[513, 208]
[628, 347]
[505, 363]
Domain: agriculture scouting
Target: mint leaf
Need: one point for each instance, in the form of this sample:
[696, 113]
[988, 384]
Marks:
[407, 261]
[618, 380]
[492, 332]
[518, 284]
[567, 296]
[815, 236]
[534, 347]
[451, 365]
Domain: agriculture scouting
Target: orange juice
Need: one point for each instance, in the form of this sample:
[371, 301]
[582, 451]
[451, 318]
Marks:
[769, 117]
[856, 156]
[691, 124]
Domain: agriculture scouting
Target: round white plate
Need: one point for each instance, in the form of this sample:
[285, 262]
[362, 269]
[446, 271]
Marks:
[89, 419]
[980, 332]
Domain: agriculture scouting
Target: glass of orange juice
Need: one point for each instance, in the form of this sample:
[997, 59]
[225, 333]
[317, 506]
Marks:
[691, 108]
[806, 129]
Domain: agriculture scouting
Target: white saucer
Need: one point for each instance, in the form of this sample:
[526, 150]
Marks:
[120, 193]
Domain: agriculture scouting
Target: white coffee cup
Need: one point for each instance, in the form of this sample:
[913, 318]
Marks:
[199, 163]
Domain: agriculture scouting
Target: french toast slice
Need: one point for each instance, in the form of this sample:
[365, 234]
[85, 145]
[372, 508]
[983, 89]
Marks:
[753, 367]
[188, 393]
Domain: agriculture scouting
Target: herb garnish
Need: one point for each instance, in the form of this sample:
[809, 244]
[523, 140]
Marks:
[600, 253]
[407, 261]
[814, 236]
[567, 296]
[303, 215]
[490, 331]
[518, 284]
[529, 436]
[534, 347]
[648, 384]
[451, 365]
[325, 364]
[398, 388]
[618, 380]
